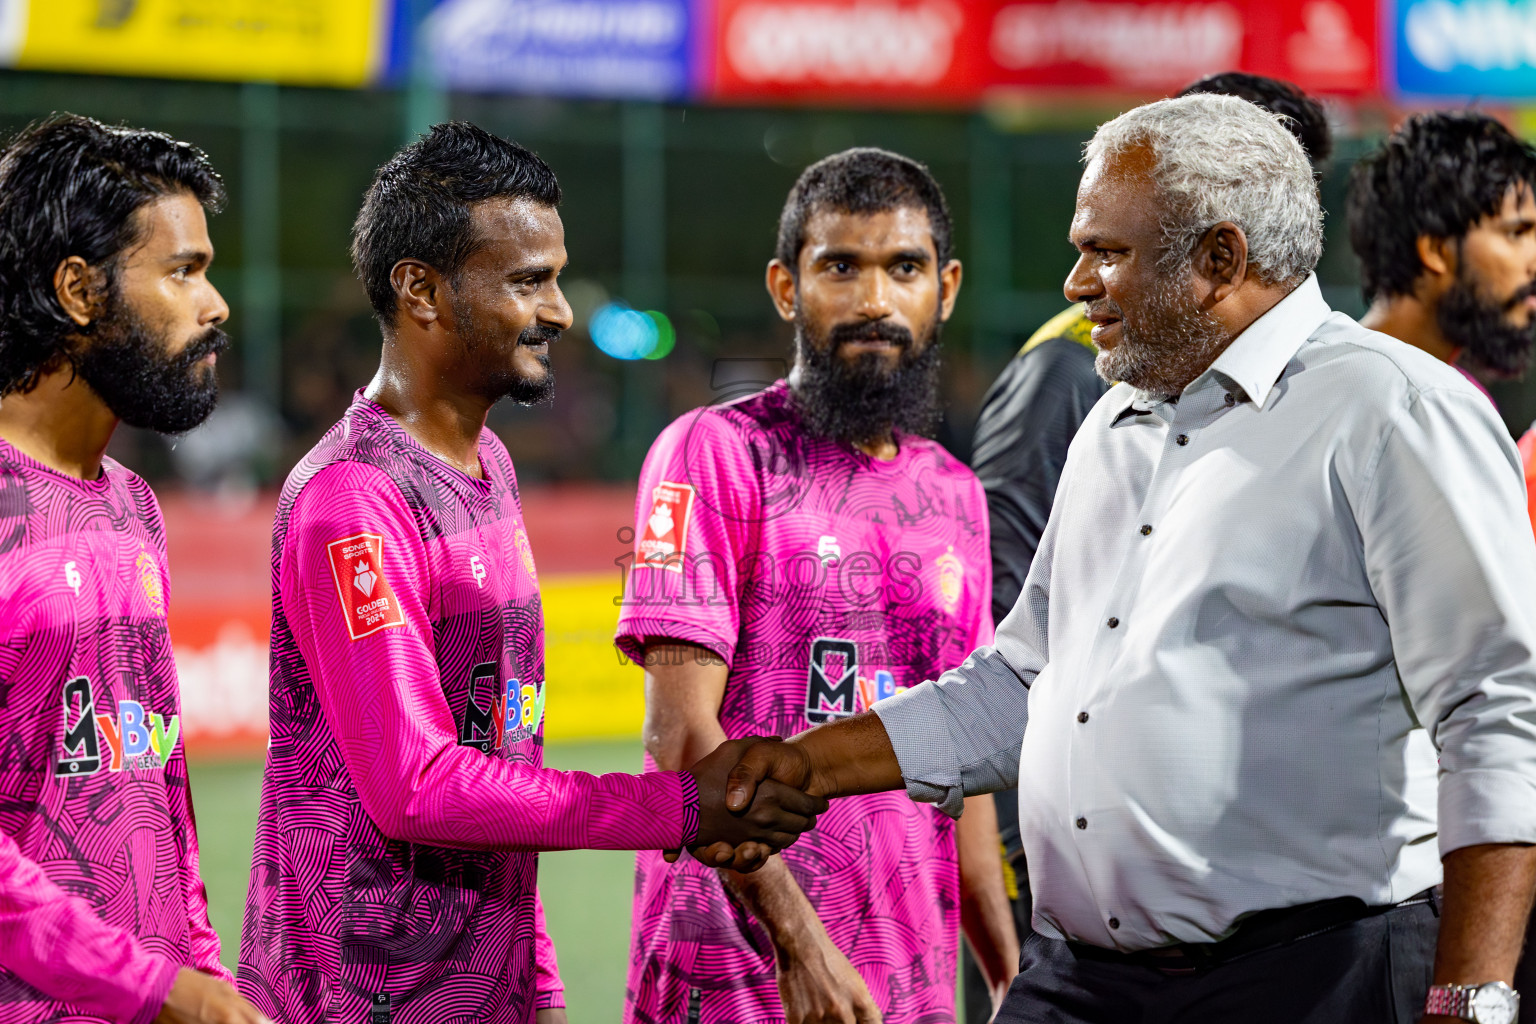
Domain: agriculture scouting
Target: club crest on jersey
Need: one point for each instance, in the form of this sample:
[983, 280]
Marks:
[135, 739]
[665, 536]
[835, 688]
[149, 582]
[367, 602]
[497, 715]
[951, 579]
[525, 551]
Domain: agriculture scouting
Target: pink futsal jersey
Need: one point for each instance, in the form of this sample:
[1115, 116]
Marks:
[100, 900]
[393, 876]
[827, 580]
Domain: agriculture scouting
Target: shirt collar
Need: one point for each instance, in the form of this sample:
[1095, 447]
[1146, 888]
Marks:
[1257, 357]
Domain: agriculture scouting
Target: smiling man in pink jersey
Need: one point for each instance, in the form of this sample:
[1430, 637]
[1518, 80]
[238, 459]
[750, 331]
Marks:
[405, 798]
[106, 314]
[801, 554]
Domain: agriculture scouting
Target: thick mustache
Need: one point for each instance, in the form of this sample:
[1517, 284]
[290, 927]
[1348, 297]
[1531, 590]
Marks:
[213, 341]
[1521, 294]
[877, 331]
[539, 334]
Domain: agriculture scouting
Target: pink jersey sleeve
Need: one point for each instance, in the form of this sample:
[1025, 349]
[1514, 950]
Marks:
[55, 942]
[382, 699]
[696, 517]
[550, 989]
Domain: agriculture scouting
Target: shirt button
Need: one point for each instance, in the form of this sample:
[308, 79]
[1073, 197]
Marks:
[1113, 622]
[1082, 716]
[1114, 922]
[1231, 400]
[1145, 529]
[1082, 822]
[1183, 440]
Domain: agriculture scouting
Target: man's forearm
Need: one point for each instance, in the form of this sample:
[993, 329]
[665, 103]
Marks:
[771, 895]
[1482, 923]
[985, 916]
[850, 756]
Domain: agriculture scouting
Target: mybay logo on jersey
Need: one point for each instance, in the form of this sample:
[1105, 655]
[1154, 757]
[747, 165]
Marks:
[367, 602]
[835, 689]
[1468, 48]
[135, 739]
[510, 715]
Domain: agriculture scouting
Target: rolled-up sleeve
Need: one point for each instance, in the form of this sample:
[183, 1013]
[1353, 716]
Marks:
[1451, 559]
[960, 735]
[980, 709]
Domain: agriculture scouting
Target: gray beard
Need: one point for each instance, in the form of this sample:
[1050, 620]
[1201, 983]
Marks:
[1166, 347]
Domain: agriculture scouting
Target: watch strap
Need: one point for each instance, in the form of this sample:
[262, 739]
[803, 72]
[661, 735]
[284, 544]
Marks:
[1450, 1001]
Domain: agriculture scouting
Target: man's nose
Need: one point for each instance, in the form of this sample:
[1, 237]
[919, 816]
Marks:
[875, 296]
[215, 311]
[1082, 283]
[558, 313]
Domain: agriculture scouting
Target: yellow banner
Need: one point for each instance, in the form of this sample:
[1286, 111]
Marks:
[301, 42]
[593, 692]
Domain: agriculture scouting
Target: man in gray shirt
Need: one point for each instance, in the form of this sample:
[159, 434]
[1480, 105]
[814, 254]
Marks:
[1288, 568]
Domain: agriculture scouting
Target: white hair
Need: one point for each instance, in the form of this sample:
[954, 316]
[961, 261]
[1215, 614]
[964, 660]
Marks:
[1219, 158]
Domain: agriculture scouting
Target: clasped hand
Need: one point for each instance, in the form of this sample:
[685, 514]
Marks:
[740, 823]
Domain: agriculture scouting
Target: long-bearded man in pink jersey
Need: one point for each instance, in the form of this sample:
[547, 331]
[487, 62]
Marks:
[405, 798]
[106, 315]
[803, 553]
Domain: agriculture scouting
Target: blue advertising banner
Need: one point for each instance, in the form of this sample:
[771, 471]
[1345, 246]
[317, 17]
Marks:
[617, 49]
[1468, 49]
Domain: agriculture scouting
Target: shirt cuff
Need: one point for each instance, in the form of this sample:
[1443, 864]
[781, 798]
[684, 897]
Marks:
[690, 807]
[1486, 806]
[929, 765]
[554, 999]
[634, 633]
[156, 988]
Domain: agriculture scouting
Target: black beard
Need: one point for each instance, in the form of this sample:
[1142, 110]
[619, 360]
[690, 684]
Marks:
[864, 401]
[129, 369]
[1483, 332]
[503, 381]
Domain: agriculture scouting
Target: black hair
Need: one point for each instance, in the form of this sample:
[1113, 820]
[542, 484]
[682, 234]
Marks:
[1437, 175]
[70, 186]
[863, 181]
[420, 203]
[1304, 116]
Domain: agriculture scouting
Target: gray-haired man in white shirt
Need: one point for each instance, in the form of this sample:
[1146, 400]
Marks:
[1287, 568]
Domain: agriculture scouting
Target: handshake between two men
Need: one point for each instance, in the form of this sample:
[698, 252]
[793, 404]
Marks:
[758, 794]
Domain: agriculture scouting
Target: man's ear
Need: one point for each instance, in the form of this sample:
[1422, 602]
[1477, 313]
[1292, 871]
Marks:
[420, 291]
[781, 289]
[1438, 255]
[1222, 259]
[81, 290]
[949, 288]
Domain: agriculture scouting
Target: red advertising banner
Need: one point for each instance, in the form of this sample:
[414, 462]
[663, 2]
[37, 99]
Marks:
[955, 51]
[846, 51]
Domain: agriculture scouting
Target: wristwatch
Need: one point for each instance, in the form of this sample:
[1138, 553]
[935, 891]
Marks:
[1490, 1003]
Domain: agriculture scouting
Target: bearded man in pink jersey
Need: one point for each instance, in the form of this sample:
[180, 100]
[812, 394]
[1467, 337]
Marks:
[106, 315]
[404, 798]
[803, 553]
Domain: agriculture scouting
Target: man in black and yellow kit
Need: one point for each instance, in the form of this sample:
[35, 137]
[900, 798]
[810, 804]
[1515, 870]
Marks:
[1028, 419]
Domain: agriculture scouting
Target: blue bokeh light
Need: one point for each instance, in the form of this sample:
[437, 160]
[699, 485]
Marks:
[623, 333]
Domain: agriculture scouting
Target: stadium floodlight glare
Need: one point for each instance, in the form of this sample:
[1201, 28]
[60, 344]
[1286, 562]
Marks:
[626, 333]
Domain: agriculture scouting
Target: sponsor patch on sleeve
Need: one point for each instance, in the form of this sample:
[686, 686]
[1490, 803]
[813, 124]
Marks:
[367, 602]
[664, 537]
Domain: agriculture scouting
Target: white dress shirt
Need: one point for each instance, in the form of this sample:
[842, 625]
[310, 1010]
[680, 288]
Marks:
[1257, 615]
